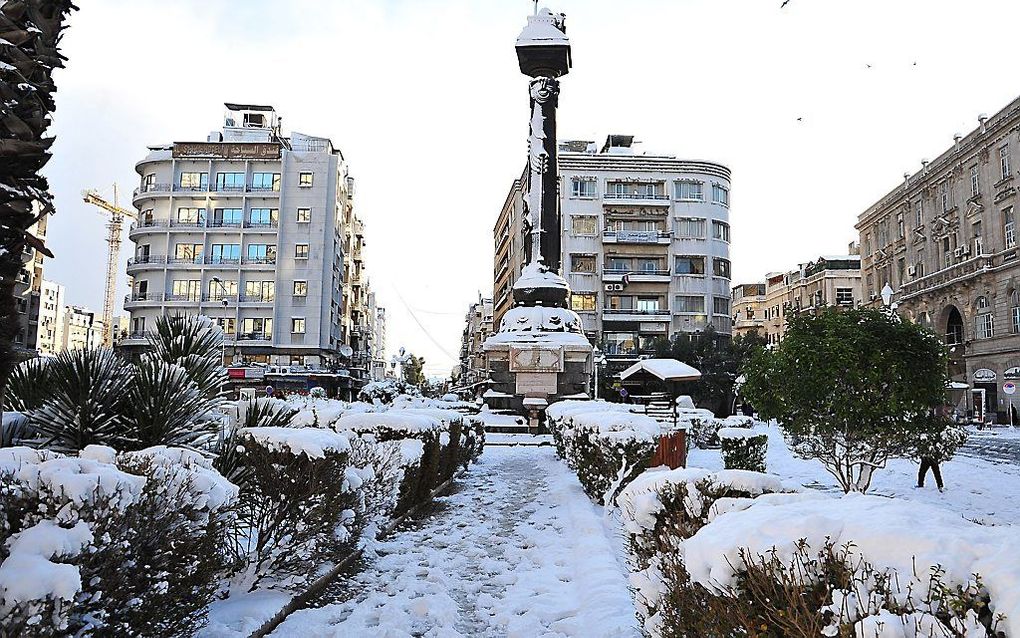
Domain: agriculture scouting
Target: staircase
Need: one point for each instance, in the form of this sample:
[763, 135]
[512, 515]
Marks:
[660, 408]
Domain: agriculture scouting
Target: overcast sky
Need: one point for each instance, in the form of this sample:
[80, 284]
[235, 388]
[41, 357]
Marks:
[425, 100]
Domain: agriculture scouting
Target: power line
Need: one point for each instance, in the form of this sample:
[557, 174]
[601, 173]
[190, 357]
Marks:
[422, 327]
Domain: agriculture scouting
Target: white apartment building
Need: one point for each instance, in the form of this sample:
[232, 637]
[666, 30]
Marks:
[249, 227]
[27, 294]
[82, 328]
[645, 245]
[51, 319]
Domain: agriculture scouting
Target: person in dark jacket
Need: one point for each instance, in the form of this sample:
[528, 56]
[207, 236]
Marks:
[929, 463]
[934, 448]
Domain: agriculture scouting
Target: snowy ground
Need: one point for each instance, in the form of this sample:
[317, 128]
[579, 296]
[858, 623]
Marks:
[977, 480]
[517, 551]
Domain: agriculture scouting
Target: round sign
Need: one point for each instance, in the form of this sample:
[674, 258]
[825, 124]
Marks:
[269, 390]
[1009, 387]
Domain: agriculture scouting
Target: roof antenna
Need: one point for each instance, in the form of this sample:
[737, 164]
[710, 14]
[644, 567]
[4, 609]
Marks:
[536, 7]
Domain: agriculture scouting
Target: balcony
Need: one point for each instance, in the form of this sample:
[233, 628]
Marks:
[151, 189]
[141, 261]
[185, 261]
[192, 297]
[212, 223]
[219, 298]
[258, 261]
[203, 188]
[637, 237]
[148, 226]
[213, 260]
[254, 336]
[261, 225]
[953, 274]
[178, 223]
[636, 276]
[143, 297]
[639, 198]
[258, 298]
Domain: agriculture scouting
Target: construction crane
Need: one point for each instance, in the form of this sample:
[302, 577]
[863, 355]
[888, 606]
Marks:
[113, 227]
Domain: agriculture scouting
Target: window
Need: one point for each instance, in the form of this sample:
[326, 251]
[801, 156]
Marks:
[690, 304]
[265, 181]
[186, 290]
[582, 263]
[582, 301]
[581, 187]
[720, 230]
[620, 264]
[188, 252]
[263, 217]
[619, 343]
[226, 217]
[304, 215]
[260, 291]
[648, 304]
[261, 253]
[688, 191]
[690, 227]
[1009, 227]
[304, 180]
[148, 182]
[721, 306]
[945, 196]
[300, 251]
[225, 253]
[230, 181]
[297, 325]
[617, 302]
[300, 288]
[191, 216]
[220, 290]
[720, 195]
[721, 268]
[883, 233]
[867, 244]
[975, 181]
[983, 326]
[583, 225]
[844, 296]
[257, 327]
[1004, 165]
[1014, 310]
[918, 214]
[649, 265]
[689, 265]
[195, 181]
[227, 324]
[982, 303]
[901, 227]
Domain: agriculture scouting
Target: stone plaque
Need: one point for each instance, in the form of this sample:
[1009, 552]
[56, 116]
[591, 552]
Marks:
[536, 359]
[536, 383]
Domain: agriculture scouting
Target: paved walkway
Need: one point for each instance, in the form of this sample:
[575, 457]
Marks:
[518, 551]
[998, 445]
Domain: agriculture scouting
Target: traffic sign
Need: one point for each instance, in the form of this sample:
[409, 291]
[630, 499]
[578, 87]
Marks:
[1009, 387]
[269, 390]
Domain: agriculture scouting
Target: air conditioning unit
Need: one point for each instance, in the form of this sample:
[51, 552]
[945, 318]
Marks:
[610, 287]
[617, 287]
[911, 270]
[958, 252]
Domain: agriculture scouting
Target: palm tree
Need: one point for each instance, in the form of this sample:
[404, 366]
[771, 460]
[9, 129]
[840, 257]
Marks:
[30, 32]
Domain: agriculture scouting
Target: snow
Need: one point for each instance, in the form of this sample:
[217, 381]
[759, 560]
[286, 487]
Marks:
[398, 420]
[29, 573]
[542, 30]
[411, 450]
[82, 481]
[618, 425]
[518, 551]
[312, 442]
[536, 275]
[179, 468]
[665, 369]
[908, 538]
[738, 433]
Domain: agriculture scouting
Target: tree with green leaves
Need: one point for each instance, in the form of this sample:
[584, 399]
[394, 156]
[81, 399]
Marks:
[414, 371]
[30, 32]
[852, 389]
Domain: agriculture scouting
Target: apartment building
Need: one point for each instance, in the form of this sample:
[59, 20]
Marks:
[50, 339]
[478, 325]
[258, 231]
[27, 295]
[82, 328]
[747, 303]
[945, 241]
[645, 245]
[829, 281]
[377, 325]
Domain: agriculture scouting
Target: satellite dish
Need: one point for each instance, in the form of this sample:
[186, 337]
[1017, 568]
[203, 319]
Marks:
[346, 350]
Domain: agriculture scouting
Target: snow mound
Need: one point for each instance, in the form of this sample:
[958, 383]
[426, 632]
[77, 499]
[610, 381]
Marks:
[399, 420]
[312, 442]
[29, 573]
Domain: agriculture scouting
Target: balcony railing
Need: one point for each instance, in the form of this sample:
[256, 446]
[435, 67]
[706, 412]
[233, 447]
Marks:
[202, 188]
[185, 223]
[254, 336]
[646, 195]
[152, 188]
[193, 261]
[258, 260]
[262, 225]
[222, 261]
[258, 298]
[637, 236]
[628, 271]
[218, 297]
[146, 259]
[186, 296]
[143, 296]
[952, 273]
[214, 223]
[150, 223]
[634, 311]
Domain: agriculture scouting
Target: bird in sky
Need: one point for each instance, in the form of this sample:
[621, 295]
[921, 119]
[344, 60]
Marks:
[800, 119]
[867, 66]
[785, 2]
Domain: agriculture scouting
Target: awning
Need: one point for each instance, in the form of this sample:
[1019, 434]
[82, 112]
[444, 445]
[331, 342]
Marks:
[664, 369]
[956, 385]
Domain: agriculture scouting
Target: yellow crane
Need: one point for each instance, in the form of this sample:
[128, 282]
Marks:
[114, 228]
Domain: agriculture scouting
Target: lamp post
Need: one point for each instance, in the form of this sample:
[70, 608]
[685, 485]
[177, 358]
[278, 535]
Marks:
[223, 342]
[597, 358]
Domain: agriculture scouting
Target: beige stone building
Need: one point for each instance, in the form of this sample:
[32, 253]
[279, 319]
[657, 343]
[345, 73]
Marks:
[50, 339]
[945, 241]
[748, 306]
[829, 281]
[478, 325]
[82, 328]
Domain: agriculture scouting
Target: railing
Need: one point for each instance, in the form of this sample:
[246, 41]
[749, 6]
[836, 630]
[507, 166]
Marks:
[946, 275]
[143, 296]
[263, 189]
[653, 196]
[146, 259]
[231, 188]
[635, 311]
[222, 261]
[203, 188]
[137, 335]
[258, 260]
[254, 336]
[218, 297]
[628, 271]
[187, 296]
[258, 298]
[212, 223]
[178, 223]
[193, 261]
[152, 188]
[251, 224]
[150, 223]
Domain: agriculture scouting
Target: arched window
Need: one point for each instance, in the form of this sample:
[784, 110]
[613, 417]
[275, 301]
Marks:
[983, 321]
[1014, 310]
[954, 327]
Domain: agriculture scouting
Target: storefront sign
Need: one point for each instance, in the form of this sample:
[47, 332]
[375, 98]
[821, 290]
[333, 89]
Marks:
[1011, 374]
[227, 150]
[984, 375]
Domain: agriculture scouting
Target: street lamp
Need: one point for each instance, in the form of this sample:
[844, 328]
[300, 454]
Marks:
[223, 342]
[597, 359]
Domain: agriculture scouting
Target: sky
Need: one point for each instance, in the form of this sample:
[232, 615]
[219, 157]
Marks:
[818, 108]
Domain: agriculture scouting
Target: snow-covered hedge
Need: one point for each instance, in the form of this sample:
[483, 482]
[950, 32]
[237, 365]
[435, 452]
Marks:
[743, 449]
[128, 544]
[730, 553]
[604, 443]
[661, 508]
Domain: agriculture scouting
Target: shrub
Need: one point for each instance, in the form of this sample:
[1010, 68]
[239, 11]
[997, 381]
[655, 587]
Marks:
[195, 344]
[609, 449]
[743, 449]
[295, 510]
[704, 430]
[166, 407]
[27, 386]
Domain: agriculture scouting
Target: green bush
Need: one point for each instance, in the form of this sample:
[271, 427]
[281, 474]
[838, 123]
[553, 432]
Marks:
[744, 452]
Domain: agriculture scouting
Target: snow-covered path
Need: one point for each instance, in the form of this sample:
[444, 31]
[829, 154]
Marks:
[518, 550]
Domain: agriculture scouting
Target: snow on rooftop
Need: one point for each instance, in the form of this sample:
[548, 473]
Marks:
[665, 369]
[543, 29]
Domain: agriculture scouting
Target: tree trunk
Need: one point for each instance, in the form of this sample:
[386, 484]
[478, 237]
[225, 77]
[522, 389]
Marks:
[30, 32]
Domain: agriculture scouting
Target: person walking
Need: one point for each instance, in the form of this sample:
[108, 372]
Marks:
[937, 446]
[929, 463]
